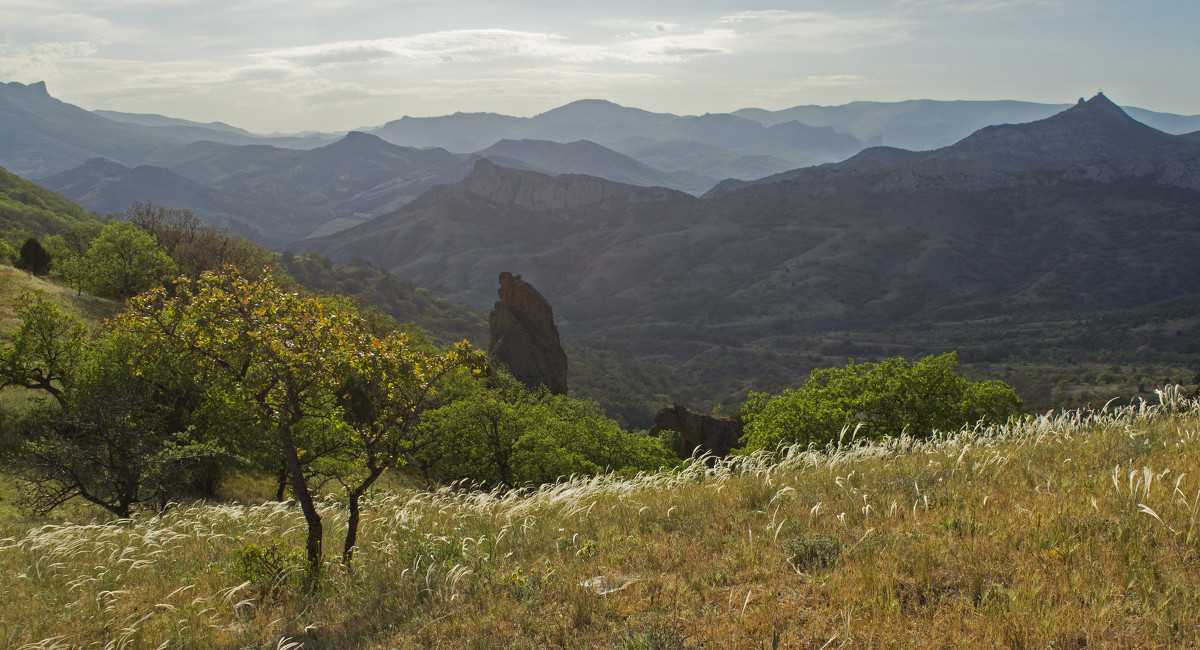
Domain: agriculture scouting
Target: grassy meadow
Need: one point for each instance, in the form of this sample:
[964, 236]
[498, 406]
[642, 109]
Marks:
[1077, 530]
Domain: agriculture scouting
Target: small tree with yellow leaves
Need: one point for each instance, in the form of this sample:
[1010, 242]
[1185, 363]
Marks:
[299, 366]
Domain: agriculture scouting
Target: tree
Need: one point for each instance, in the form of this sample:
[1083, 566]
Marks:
[34, 258]
[124, 261]
[498, 432]
[194, 246]
[46, 348]
[390, 386]
[69, 249]
[292, 363]
[123, 438]
[887, 399]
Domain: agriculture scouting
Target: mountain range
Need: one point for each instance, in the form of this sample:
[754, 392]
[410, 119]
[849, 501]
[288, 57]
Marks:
[254, 182]
[1084, 212]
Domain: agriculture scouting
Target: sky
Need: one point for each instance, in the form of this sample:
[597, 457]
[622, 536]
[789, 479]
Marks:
[274, 66]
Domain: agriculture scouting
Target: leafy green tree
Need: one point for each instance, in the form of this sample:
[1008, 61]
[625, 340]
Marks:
[69, 250]
[497, 432]
[887, 399]
[34, 258]
[124, 261]
[125, 437]
[46, 348]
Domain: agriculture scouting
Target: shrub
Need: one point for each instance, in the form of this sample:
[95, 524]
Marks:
[887, 399]
[34, 258]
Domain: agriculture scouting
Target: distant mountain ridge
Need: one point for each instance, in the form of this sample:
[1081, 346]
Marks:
[1084, 212]
[41, 137]
[1095, 133]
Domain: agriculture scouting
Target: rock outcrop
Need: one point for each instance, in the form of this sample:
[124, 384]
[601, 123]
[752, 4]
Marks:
[712, 434]
[524, 338]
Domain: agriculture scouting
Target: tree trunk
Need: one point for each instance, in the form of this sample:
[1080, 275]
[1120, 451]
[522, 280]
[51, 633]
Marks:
[351, 531]
[283, 481]
[291, 457]
[352, 520]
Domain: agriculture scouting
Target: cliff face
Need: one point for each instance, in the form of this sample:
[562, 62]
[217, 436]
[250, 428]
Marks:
[524, 337]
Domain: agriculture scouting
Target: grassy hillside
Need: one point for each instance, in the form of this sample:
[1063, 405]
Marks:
[86, 306]
[32, 210]
[1070, 532]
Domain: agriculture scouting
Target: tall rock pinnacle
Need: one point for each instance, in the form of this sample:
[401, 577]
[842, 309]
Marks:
[524, 338]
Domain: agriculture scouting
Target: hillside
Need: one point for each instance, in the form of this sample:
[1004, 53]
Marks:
[271, 194]
[32, 210]
[1066, 532]
[889, 254]
[41, 135]
[583, 157]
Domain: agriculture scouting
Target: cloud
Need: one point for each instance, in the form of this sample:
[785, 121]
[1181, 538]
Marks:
[809, 31]
[833, 80]
[43, 60]
[475, 46]
[976, 6]
[43, 21]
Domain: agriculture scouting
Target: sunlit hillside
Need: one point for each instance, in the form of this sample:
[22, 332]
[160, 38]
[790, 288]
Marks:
[1073, 531]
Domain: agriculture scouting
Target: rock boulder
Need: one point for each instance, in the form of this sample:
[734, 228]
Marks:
[712, 434]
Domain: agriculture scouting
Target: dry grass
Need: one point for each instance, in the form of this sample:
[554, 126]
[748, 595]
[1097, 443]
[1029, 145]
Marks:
[1073, 531]
[12, 281]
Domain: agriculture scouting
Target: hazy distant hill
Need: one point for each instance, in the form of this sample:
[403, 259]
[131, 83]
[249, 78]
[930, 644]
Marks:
[40, 135]
[738, 147]
[188, 131]
[583, 157]
[1080, 214]
[276, 195]
[924, 124]
[1095, 134]
[110, 187]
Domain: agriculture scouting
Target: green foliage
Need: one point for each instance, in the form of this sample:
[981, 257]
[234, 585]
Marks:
[406, 302]
[8, 254]
[498, 433]
[124, 436]
[270, 568]
[34, 258]
[194, 247]
[34, 210]
[886, 399]
[69, 248]
[46, 348]
[815, 552]
[124, 261]
[334, 400]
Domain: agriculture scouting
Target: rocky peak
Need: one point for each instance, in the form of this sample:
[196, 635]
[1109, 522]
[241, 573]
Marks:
[1093, 132]
[524, 338]
[1099, 108]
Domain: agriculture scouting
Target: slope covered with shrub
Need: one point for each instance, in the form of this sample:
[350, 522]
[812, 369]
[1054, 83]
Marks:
[28, 208]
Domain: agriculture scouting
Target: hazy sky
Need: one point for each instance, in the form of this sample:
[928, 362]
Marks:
[286, 65]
